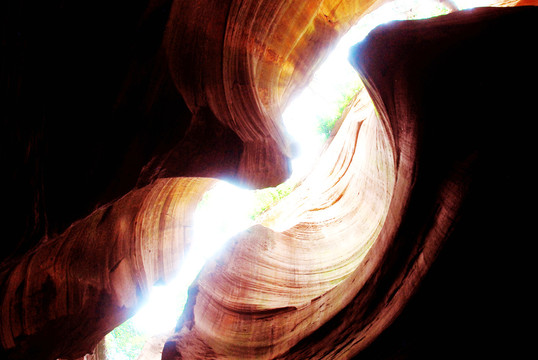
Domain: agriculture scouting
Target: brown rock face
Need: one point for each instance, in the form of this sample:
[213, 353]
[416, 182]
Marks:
[54, 289]
[338, 260]
[407, 240]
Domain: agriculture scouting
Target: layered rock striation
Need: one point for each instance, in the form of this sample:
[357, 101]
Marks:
[55, 289]
[336, 262]
[408, 237]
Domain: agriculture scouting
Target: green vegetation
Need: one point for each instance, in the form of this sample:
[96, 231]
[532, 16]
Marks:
[326, 123]
[265, 198]
[124, 342]
[438, 10]
[268, 197]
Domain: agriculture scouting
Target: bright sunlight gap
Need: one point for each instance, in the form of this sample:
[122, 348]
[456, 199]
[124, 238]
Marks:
[308, 119]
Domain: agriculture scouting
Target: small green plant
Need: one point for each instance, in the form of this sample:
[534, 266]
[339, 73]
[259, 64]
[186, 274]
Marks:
[438, 10]
[268, 197]
[327, 123]
[124, 342]
[265, 198]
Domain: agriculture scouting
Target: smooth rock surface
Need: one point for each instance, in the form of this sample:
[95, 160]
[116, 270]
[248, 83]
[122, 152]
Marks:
[117, 118]
[386, 196]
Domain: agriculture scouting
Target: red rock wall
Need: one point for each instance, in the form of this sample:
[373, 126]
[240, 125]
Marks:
[384, 201]
[246, 62]
[94, 276]
[101, 104]
[109, 112]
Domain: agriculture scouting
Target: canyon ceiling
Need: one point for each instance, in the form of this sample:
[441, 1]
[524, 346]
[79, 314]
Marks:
[411, 238]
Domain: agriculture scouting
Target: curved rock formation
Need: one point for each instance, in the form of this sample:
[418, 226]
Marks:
[155, 119]
[245, 64]
[278, 283]
[351, 245]
[110, 117]
[136, 241]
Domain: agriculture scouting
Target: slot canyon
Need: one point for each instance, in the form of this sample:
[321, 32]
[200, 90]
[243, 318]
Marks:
[410, 238]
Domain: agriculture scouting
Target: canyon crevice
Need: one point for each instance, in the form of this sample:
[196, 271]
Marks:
[409, 239]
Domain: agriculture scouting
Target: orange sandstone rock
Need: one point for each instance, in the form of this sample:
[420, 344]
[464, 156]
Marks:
[415, 215]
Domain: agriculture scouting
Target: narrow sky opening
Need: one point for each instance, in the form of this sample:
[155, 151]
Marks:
[226, 210]
[222, 213]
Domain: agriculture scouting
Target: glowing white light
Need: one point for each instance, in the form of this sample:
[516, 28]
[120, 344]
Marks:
[469, 4]
[220, 215]
[224, 212]
[321, 97]
[160, 313]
